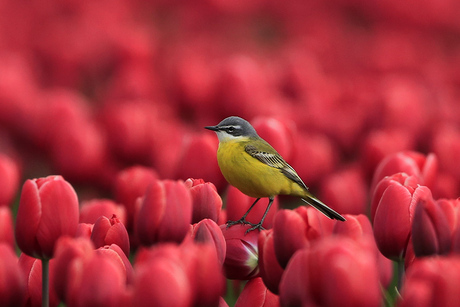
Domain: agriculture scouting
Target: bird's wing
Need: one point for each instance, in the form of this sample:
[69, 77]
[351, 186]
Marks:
[268, 155]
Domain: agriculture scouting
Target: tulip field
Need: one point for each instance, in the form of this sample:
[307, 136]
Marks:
[110, 190]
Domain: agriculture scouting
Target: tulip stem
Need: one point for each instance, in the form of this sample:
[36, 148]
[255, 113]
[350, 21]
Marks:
[45, 283]
[401, 271]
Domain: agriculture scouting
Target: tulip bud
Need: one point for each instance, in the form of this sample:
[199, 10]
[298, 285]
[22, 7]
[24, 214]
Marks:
[67, 250]
[110, 231]
[238, 203]
[270, 269]
[48, 209]
[241, 260]
[12, 285]
[207, 231]
[431, 234]
[115, 253]
[207, 203]
[394, 213]
[130, 184]
[91, 210]
[307, 278]
[256, 294]
[32, 272]
[430, 282]
[84, 230]
[165, 213]
[6, 227]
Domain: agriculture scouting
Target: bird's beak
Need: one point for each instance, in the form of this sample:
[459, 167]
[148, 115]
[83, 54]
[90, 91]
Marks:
[213, 128]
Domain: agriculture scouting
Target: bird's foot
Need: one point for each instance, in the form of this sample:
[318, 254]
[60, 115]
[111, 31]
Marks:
[243, 221]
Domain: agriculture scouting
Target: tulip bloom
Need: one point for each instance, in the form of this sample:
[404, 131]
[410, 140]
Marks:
[270, 269]
[48, 209]
[207, 202]
[334, 272]
[431, 234]
[392, 210]
[430, 282]
[12, 283]
[207, 231]
[256, 294]
[32, 272]
[165, 213]
[241, 260]
[110, 231]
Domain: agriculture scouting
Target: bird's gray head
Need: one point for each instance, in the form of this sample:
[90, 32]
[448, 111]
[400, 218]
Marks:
[233, 127]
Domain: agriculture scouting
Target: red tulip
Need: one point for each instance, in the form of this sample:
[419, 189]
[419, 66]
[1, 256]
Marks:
[115, 253]
[256, 294]
[84, 230]
[9, 179]
[431, 282]
[48, 209]
[207, 202]
[67, 250]
[295, 229]
[270, 269]
[32, 272]
[238, 203]
[95, 281]
[335, 271]
[12, 283]
[163, 282]
[165, 214]
[394, 212]
[276, 132]
[130, 184]
[91, 210]
[207, 231]
[431, 234]
[110, 231]
[6, 227]
[241, 260]
[424, 168]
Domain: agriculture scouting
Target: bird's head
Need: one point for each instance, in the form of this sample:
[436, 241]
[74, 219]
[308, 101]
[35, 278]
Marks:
[233, 127]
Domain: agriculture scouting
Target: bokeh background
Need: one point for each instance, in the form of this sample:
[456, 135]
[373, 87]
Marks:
[88, 88]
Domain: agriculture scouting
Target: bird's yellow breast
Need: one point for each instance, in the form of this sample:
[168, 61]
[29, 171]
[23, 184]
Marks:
[251, 176]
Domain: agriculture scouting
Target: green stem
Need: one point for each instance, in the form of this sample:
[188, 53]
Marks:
[45, 283]
[401, 271]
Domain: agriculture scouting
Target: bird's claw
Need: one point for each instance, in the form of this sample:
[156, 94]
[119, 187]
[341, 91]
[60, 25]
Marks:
[243, 221]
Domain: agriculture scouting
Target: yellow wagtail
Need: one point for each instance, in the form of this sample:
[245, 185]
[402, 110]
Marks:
[255, 168]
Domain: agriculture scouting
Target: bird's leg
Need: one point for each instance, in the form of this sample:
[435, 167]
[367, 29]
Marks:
[242, 220]
[259, 225]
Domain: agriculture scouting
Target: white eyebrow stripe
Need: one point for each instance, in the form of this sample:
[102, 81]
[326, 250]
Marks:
[230, 126]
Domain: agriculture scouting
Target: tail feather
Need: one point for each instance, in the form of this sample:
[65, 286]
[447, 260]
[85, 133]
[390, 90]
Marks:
[320, 206]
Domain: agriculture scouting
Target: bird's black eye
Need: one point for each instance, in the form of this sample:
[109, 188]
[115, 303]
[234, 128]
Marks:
[231, 130]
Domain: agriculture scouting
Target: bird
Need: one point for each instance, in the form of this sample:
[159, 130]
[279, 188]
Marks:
[254, 167]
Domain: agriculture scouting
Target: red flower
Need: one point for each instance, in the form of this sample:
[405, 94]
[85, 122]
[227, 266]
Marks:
[270, 269]
[67, 250]
[241, 260]
[431, 281]
[91, 210]
[6, 227]
[207, 202]
[207, 231]
[12, 283]
[130, 184]
[32, 272]
[394, 210]
[238, 203]
[110, 231]
[256, 294]
[165, 213]
[334, 272]
[9, 179]
[120, 259]
[431, 234]
[48, 209]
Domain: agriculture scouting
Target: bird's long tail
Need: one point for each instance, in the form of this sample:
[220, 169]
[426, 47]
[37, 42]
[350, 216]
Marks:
[320, 206]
